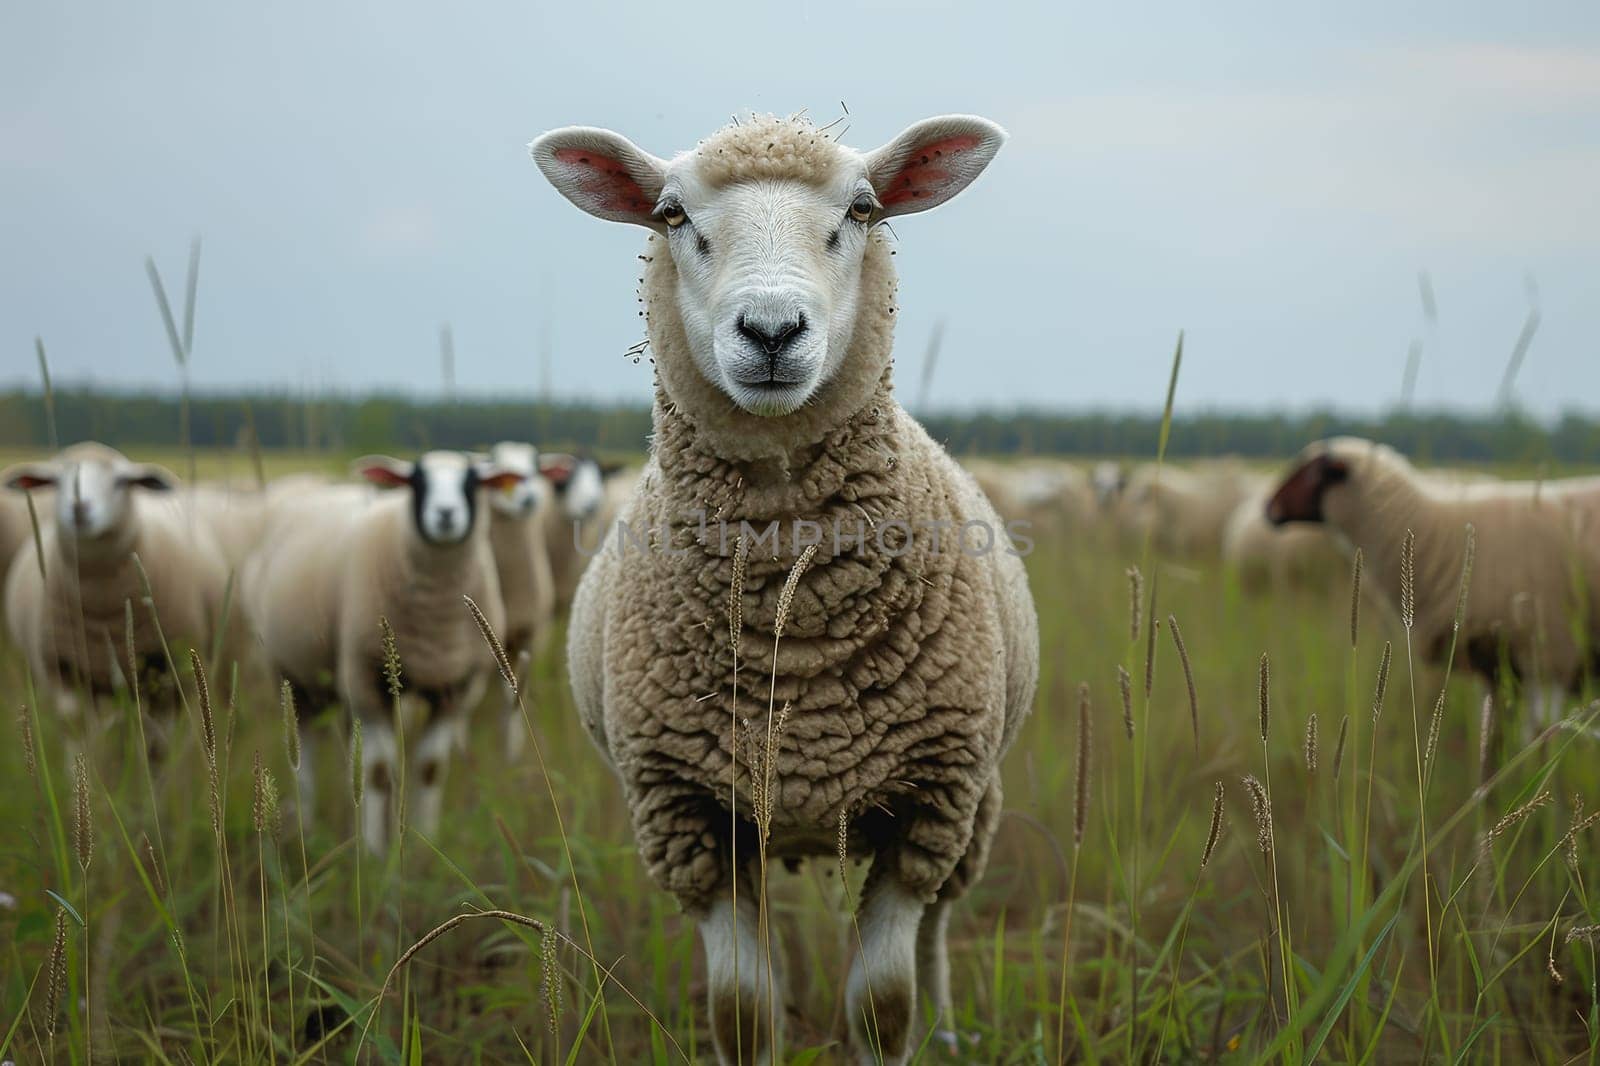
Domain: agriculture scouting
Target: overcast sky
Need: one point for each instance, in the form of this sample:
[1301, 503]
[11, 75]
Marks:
[1270, 180]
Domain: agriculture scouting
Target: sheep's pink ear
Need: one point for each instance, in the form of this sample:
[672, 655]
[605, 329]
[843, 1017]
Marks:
[557, 467]
[932, 161]
[602, 172]
[384, 472]
[25, 476]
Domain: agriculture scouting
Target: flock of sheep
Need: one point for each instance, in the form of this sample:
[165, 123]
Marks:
[129, 567]
[785, 699]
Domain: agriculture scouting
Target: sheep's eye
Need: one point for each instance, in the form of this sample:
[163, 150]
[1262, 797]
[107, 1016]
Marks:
[862, 207]
[673, 214]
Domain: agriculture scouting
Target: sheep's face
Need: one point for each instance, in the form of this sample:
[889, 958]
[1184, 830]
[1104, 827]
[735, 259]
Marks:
[768, 277]
[93, 490]
[520, 498]
[768, 224]
[579, 483]
[444, 490]
[1303, 495]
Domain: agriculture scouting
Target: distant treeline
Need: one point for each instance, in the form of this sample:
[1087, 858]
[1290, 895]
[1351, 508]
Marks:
[390, 422]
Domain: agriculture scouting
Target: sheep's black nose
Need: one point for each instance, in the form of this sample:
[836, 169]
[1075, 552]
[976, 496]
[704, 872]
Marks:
[773, 337]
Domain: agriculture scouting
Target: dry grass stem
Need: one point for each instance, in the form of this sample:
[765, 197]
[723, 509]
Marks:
[1338, 747]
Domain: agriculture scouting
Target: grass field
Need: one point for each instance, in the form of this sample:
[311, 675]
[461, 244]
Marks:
[1379, 924]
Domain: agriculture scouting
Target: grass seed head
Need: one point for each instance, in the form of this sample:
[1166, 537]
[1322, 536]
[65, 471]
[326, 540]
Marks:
[1355, 598]
[1080, 803]
[358, 777]
[786, 597]
[551, 978]
[56, 974]
[1485, 735]
[1521, 814]
[1583, 932]
[1435, 723]
[291, 724]
[1311, 743]
[264, 799]
[1408, 580]
[1135, 602]
[82, 813]
[208, 722]
[1338, 747]
[502, 661]
[1383, 680]
[391, 649]
[1264, 696]
[1215, 832]
[25, 729]
[1466, 577]
[1188, 678]
[1125, 687]
[1261, 807]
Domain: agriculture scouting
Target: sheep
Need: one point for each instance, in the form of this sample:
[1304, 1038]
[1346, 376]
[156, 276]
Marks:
[522, 565]
[1048, 497]
[1534, 599]
[16, 527]
[333, 563]
[71, 621]
[903, 666]
[1183, 512]
[1263, 556]
[577, 524]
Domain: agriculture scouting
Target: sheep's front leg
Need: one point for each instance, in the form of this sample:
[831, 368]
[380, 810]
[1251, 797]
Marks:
[881, 993]
[380, 755]
[431, 760]
[741, 987]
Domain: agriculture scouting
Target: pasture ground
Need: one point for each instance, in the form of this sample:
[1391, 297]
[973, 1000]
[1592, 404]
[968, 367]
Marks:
[1399, 943]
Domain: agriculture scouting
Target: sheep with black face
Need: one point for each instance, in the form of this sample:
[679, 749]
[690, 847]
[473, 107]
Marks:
[906, 667]
[1534, 600]
[332, 563]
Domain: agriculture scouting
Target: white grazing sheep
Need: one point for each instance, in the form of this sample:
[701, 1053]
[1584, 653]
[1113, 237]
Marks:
[1265, 557]
[575, 526]
[16, 527]
[1534, 601]
[71, 623]
[906, 660]
[1183, 511]
[333, 563]
[522, 562]
[1049, 497]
